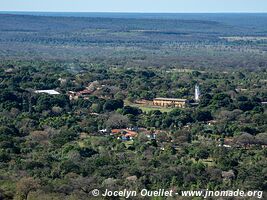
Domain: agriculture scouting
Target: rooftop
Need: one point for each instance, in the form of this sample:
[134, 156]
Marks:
[52, 92]
[85, 92]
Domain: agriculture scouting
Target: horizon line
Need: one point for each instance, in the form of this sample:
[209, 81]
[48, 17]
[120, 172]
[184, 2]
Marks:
[137, 12]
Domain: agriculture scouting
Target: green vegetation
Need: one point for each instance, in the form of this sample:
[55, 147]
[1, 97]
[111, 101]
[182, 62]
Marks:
[165, 41]
[97, 134]
[52, 147]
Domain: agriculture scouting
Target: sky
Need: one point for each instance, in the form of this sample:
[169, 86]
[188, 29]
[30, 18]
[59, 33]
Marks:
[159, 6]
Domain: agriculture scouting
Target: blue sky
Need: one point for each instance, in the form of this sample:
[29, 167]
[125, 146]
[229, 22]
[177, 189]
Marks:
[135, 5]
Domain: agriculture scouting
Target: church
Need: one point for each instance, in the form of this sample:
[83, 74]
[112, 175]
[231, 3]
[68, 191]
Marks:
[174, 102]
[170, 102]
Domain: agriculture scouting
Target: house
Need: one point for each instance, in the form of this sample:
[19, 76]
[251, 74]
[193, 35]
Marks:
[72, 95]
[130, 134]
[170, 102]
[124, 134]
[75, 95]
[115, 131]
[84, 93]
[127, 135]
[103, 131]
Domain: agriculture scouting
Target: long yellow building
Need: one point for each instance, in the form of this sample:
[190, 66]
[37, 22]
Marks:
[170, 102]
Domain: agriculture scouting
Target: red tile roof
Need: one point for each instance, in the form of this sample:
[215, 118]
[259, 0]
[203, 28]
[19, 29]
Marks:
[127, 133]
[85, 92]
[114, 131]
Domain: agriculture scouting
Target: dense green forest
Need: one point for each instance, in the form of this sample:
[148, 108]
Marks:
[51, 147]
[77, 113]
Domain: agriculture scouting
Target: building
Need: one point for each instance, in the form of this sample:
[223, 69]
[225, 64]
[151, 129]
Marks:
[197, 93]
[83, 94]
[51, 92]
[170, 102]
[72, 95]
[124, 134]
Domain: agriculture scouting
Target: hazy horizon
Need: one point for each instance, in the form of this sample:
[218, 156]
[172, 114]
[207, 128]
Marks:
[137, 6]
[121, 12]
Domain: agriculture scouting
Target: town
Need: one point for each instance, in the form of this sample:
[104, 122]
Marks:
[95, 104]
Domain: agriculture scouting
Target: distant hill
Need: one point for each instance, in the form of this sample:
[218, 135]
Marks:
[137, 39]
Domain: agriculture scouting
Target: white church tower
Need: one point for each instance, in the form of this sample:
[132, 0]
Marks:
[197, 93]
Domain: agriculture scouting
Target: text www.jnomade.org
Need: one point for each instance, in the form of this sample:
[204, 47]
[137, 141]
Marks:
[170, 193]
